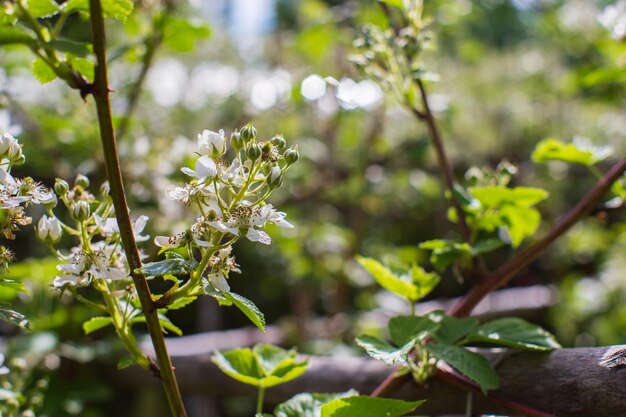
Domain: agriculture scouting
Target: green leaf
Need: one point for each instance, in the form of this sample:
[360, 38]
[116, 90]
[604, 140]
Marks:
[166, 324]
[388, 280]
[383, 351]
[494, 196]
[248, 308]
[181, 302]
[485, 246]
[470, 364]
[42, 71]
[445, 252]
[173, 266]
[13, 317]
[182, 35]
[395, 3]
[126, 362]
[516, 333]
[84, 66]
[240, 364]
[14, 285]
[577, 153]
[361, 406]
[403, 329]
[75, 48]
[96, 323]
[451, 329]
[521, 222]
[307, 404]
[42, 8]
[15, 35]
[117, 9]
[264, 366]
[424, 281]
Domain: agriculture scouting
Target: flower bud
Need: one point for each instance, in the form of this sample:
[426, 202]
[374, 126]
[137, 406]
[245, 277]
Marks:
[82, 182]
[61, 187]
[105, 189]
[5, 142]
[14, 153]
[254, 152]
[81, 211]
[50, 201]
[248, 133]
[291, 156]
[49, 229]
[275, 177]
[211, 143]
[280, 142]
[236, 141]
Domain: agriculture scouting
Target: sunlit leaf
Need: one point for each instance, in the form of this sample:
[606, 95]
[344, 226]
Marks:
[403, 287]
[514, 332]
[403, 329]
[451, 329]
[117, 9]
[360, 406]
[307, 404]
[42, 8]
[96, 323]
[182, 35]
[383, 351]
[42, 71]
[172, 266]
[579, 152]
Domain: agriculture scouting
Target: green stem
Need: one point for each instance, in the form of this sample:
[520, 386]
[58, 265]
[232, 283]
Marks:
[107, 135]
[259, 400]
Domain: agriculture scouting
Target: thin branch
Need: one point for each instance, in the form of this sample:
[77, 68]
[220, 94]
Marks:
[450, 376]
[504, 273]
[442, 158]
[152, 44]
[114, 174]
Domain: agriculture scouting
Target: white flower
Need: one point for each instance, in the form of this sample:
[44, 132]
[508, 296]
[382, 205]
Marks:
[194, 191]
[233, 174]
[183, 238]
[245, 220]
[205, 169]
[221, 265]
[109, 227]
[7, 142]
[211, 143]
[49, 228]
[104, 262]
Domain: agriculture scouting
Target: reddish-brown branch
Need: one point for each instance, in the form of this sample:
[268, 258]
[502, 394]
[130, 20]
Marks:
[442, 159]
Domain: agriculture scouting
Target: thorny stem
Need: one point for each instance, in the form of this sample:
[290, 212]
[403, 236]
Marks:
[114, 174]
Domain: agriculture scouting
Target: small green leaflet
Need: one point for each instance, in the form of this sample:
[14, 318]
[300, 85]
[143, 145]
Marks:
[361, 406]
[171, 266]
[404, 329]
[72, 47]
[15, 35]
[576, 153]
[263, 366]
[395, 3]
[451, 329]
[42, 8]
[246, 306]
[96, 323]
[495, 196]
[470, 364]
[307, 404]
[516, 333]
[117, 9]
[445, 252]
[413, 286]
[166, 324]
[126, 362]
[383, 351]
[42, 71]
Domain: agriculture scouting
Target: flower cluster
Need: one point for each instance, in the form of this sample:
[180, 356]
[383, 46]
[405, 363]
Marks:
[98, 254]
[16, 194]
[228, 185]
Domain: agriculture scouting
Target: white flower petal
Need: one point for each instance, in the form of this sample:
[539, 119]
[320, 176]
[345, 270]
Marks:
[258, 236]
[219, 282]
